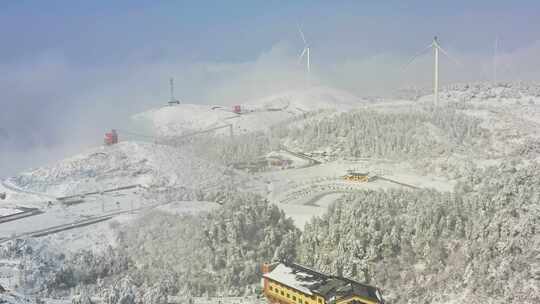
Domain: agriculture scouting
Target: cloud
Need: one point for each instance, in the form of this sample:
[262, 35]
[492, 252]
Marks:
[52, 107]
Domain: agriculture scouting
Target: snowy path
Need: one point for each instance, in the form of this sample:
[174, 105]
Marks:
[311, 162]
[91, 208]
[308, 195]
[8, 185]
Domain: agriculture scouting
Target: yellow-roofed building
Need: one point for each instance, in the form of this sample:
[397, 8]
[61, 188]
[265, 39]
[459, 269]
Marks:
[289, 283]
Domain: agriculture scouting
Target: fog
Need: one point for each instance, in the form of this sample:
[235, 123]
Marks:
[53, 106]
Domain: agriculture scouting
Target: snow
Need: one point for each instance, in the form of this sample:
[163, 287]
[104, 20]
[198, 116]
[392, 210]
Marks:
[260, 113]
[16, 298]
[16, 197]
[100, 235]
[13, 298]
[222, 300]
[159, 169]
[301, 214]
[302, 192]
[124, 164]
[8, 211]
[315, 98]
[287, 276]
[305, 192]
[330, 175]
[188, 207]
[96, 237]
[327, 199]
[175, 120]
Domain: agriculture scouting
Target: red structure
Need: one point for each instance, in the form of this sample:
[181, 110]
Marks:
[111, 138]
[237, 109]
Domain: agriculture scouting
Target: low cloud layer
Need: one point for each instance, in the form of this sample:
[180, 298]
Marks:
[52, 108]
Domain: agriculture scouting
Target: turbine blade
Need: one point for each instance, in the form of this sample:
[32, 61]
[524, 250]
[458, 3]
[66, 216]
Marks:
[302, 34]
[450, 57]
[417, 55]
[302, 55]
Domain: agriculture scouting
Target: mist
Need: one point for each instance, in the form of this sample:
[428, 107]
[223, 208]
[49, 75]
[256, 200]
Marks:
[54, 104]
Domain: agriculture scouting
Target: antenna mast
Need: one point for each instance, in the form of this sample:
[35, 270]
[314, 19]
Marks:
[171, 83]
[173, 100]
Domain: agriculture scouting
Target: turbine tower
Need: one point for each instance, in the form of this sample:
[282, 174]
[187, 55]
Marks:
[305, 52]
[436, 47]
[495, 59]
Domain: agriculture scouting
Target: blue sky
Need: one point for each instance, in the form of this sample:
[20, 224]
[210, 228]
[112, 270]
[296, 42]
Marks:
[104, 32]
[70, 69]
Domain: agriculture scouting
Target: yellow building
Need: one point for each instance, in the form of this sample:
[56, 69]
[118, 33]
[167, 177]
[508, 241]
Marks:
[295, 284]
[359, 176]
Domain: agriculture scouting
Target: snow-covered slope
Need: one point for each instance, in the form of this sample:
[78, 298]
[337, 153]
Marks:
[315, 98]
[125, 164]
[179, 119]
[14, 298]
[256, 114]
[502, 92]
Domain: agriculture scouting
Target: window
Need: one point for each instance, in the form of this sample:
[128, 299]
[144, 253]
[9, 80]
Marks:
[282, 293]
[319, 300]
[294, 298]
[270, 288]
[288, 295]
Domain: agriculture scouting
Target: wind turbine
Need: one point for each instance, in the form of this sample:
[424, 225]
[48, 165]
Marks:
[305, 52]
[436, 47]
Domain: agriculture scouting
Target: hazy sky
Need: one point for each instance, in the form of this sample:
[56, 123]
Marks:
[69, 70]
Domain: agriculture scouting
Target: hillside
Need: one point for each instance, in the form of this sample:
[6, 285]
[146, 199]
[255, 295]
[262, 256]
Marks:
[14, 298]
[415, 228]
[479, 243]
[125, 164]
[256, 115]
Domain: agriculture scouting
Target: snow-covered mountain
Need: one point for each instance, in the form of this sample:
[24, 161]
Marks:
[501, 92]
[312, 99]
[124, 164]
[254, 115]
[405, 143]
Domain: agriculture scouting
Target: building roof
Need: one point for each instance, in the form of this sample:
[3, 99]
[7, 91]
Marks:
[309, 281]
[289, 276]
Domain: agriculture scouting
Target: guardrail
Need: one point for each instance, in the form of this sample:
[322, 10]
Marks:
[26, 212]
[99, 192]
